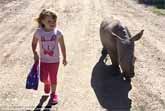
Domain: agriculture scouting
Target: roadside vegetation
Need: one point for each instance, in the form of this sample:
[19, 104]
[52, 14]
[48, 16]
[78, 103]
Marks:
[158, 6]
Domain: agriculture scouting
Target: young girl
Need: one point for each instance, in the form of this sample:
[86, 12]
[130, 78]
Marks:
[48, 36]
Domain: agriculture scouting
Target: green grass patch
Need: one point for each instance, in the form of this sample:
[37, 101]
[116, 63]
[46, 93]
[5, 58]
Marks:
[158, 11]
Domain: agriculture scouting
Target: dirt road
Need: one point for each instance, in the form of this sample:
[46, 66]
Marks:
[86, 84]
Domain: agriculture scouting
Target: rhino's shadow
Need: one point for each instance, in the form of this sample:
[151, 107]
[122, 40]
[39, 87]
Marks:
[111, 91]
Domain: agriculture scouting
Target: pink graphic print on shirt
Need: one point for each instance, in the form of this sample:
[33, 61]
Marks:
[48, 45]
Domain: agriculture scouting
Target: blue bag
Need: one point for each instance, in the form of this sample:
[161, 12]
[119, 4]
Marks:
[32, 80]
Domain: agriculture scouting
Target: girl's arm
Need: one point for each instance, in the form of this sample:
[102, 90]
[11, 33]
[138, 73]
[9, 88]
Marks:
[63, 49]
[34, 46]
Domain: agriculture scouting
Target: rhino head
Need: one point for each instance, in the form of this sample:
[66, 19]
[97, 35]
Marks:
[125, 50]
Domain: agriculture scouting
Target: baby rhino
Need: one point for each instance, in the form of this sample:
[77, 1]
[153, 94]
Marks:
[119, 44]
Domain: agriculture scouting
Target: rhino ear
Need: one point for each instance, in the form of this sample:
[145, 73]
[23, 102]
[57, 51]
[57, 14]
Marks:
[137, 36]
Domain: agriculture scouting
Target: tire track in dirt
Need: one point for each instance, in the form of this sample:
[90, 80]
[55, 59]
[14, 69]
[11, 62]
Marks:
[17, 32]
[17, 61]
[10, 8]
[76, 17]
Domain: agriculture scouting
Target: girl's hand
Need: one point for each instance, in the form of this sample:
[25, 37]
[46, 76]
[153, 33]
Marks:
[65, 62]
[36, 57]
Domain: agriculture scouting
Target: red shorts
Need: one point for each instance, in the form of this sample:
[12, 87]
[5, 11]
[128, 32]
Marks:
[48, 72]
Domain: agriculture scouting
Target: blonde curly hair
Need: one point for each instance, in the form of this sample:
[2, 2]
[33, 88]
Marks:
[44, 13]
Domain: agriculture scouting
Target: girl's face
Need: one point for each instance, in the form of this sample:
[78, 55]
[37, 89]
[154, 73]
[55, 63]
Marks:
[49, 23]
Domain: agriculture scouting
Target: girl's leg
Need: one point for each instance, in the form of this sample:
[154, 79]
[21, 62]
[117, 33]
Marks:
[44, 76]
[53, 76]
[53, 88]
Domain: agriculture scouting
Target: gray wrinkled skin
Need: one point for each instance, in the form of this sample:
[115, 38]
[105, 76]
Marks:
[119, 43]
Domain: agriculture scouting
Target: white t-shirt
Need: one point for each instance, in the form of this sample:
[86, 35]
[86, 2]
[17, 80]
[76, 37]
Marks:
[48, 42]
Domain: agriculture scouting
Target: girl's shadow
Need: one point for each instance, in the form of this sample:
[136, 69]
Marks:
[110, 88]
[41, 102]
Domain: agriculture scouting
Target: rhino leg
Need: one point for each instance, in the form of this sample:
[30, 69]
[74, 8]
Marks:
[104, 51]
[113, 57]
[114, 60]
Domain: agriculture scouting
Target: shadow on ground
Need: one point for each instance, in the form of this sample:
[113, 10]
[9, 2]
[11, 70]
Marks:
[110, 88]
[158, 3]
[41, 102]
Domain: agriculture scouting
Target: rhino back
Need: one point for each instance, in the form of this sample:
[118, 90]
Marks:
[107, 39]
